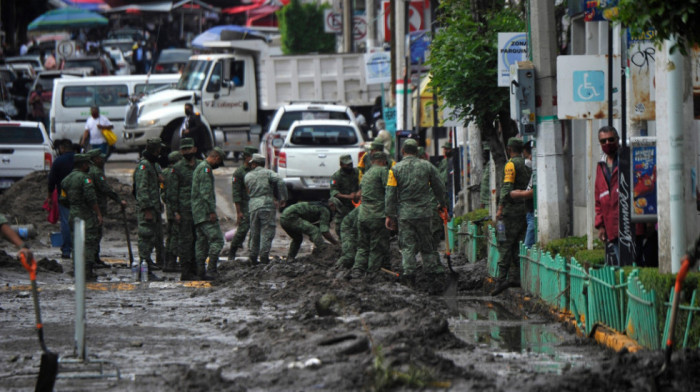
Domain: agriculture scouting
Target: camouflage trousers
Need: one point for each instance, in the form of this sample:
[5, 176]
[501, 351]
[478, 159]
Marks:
[416, 236]
[339, 217]
[150, 236]
[172, 232]
[509, 262]
[296, 228]
[242, 229]
[185, 245]
[372, 245]
[438, 229]
[262, 232]
[93, 233]
[348, 239]
[209, 243]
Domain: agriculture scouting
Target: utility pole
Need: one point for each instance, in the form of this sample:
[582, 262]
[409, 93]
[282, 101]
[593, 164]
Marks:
[371, 25]
[347, 26]
[551, 198]
[402, 88]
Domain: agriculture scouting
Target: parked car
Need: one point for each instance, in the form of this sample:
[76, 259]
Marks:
[123, 66]
[33, 60]
[97, 63]
[25, 147]
[18, 85]
[171, 60]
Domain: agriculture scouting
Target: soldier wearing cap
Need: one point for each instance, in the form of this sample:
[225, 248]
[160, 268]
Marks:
[372, 235]
[512, 212]
[209, 239]
[179, 196]
[345, 186]
[409, 185]
[240, 200]
[444, 165]
[78, 192]
[310, 218]
[147, 192]
[172, 227]
[264, 187]
[366, 161]
[102, 191]
[436, 223]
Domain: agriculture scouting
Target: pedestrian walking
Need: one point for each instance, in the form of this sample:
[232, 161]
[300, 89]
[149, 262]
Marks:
[209, 239]
[78, 194]
[310, 218]
[240, 200]
[92, 136]
[372, 235]
[193, 127]
[408, 201]
[172, 228]
[512, 212]
[607, 199]
[147, 193]
[345, 186]
[180, 202]
[60, 169]
[264, 188]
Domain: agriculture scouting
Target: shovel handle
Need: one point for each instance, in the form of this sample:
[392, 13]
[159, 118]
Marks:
[30, 266]
[685, 267]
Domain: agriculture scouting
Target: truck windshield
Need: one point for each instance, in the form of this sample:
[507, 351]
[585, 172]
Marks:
[324, 135]
[193, 75]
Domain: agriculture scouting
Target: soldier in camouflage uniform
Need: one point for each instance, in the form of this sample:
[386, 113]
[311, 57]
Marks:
[172, 228]
[512, 211]
[409, 185]
[372, 235]
[147, 192]
[436, 223]
[210, 240]
[348, 242]
[240, 200]
[102, 191]
[312, 219]
[80, 197]
[180, 203]
[261, 185]
[366, 158]
[345, 185]
[444, 165]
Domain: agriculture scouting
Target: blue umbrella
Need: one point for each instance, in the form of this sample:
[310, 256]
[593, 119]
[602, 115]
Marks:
[214, 34]
[67, 19]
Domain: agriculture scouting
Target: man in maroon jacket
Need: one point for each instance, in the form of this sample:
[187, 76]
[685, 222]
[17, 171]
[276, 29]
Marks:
[607, 199]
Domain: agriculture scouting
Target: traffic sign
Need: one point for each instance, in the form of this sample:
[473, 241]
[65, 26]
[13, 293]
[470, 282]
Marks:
[359, 27]
[415, 17]
[582, 87]
[589, 86]
[333, 22]
[65, 49]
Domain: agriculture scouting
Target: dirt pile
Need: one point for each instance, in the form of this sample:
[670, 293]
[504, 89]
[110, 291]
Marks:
[9, 261]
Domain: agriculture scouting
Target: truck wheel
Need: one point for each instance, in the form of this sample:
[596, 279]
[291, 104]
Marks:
[170, 136]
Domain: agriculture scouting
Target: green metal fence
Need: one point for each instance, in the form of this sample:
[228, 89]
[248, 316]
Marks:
[494, 254]
[642, 324]
[544, 276]
[606, 297]
[578, 295]
[691, 309]
[529, 269]
[472, 242]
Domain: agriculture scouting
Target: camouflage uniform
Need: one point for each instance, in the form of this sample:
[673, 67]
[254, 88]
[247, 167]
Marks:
[180, 202]
[261, 184]
[172, 229]
[80, 196]
[372, 235]
[344, 183]
[102, 191]
[312, 219]
[349, 240]
[209, 240]
[366, 162]
[240, 198]
[147, 192]
[516, 177]
[408, 197]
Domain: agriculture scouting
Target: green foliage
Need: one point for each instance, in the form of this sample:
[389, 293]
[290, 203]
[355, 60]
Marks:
[668, 18]
[568, 246]
[301, 27]
[593, 257]
[464, 59]
[471, 216]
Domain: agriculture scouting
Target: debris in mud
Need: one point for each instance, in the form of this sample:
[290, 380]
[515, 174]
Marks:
[47, 264]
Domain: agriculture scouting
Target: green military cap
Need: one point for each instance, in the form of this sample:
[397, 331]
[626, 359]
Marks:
[221, 153]
[258, 158]
[80, 158]
[346, 159]
[447, 145]
[186, 142]
[515, 142]
[155, 142]
[174, 156]
[410, 146]
[95, 152]
[378, 156]
[377, 144]
[248, 151]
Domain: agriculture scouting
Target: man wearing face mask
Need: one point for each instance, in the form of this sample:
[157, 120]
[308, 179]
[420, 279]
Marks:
[345, 186]
[193, 127]
[210, 240]
[607, 206]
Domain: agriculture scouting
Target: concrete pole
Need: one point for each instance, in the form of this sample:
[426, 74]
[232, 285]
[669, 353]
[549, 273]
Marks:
[551, 195]
[347, 26]
[370, 9]
[399, 40]
[591, 143]
[476, 161]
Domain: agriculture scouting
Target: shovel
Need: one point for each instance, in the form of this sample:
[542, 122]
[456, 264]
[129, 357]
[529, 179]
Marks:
[443, 215]
[128, 238]
[49, 361]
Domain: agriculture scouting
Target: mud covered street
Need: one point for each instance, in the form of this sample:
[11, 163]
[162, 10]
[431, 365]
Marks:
[301, 326]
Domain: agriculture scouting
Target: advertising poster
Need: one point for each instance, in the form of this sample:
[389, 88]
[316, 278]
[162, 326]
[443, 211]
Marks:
[644, 193]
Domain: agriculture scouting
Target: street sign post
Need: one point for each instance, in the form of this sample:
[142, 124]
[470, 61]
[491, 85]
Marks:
[582, 82]
[512, 49]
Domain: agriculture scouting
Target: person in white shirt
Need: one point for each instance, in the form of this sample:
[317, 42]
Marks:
[93, 131]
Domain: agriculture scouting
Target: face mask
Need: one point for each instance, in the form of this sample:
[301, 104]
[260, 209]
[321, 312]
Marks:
[609, 148]
[188, 112]
[216, 165]
[150, 157]
[348, 169]
[188, 156]
[448, 154]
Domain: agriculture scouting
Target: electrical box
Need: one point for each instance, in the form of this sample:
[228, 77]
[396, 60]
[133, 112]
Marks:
[522, 96]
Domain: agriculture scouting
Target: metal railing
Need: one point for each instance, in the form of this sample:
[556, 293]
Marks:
[642, 323]
[692, 308]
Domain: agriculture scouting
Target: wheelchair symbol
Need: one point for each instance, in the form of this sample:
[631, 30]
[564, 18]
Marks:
[589, 86]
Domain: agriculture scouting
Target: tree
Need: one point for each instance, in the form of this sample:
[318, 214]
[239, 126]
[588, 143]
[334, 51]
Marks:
[464, 60]
[668, 18]
[301, 26]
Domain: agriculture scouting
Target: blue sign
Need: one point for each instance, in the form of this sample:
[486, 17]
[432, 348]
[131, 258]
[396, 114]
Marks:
[589, 86]
[644, 180]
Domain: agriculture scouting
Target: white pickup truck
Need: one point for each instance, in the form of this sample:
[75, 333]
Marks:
[311, 154]
[237, 90]
[25, 147]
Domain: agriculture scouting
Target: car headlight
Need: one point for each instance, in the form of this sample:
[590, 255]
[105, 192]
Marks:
[148, 123]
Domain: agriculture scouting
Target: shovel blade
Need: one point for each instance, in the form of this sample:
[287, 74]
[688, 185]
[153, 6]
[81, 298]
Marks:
[48, 369]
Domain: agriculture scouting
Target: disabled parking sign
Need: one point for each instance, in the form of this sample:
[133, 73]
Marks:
[589, 86]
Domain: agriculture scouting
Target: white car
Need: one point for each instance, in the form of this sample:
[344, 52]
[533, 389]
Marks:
[25, 147]
[123, 67]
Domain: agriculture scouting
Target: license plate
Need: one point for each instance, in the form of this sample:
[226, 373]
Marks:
[4, 184]
[318, 182]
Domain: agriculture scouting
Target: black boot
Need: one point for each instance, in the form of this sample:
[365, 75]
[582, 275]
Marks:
[212, 269]
[202, 272]
[501, 286]
[232, 253]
